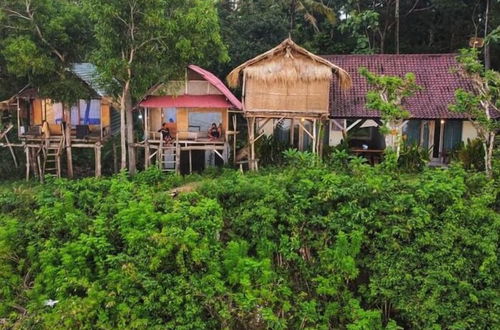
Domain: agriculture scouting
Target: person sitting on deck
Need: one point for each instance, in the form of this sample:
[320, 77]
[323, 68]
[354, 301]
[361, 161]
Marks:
[214, 132]
[165, 133]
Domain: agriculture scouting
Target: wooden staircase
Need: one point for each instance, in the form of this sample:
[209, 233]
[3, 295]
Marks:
[52, 151]
[169, 157]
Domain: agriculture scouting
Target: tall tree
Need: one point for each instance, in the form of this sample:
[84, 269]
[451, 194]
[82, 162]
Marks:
[249, 29]
[42, 39]
[387, 96]
[482, 106]
[309, 9]
[144, 42]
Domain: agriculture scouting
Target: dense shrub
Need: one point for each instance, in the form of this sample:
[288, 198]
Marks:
[302, 246]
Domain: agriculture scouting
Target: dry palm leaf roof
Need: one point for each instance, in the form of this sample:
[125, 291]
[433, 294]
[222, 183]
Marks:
[288, 62]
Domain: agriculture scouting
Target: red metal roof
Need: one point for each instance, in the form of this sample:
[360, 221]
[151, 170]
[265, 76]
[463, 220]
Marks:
[217, 83]
[186, 101]
[432, 72]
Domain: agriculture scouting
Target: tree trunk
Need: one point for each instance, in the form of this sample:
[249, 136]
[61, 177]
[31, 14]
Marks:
[488, 154]
[397, 26]
[487, 59]
[123, 134]
[132, 167]
[67, 133]
[393, 141]
[293, 5]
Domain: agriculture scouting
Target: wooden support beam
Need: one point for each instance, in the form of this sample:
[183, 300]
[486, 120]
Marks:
[190, 162]
[305, 130]
[354, 124]
[314, 136]
[207, 147]
[69, 152]
[177, 157]
[235, 123]
[26, 151]
[218, 154]
[261, 126]
[336, 123]
[147, 152]
[98, 163]
[251, 138]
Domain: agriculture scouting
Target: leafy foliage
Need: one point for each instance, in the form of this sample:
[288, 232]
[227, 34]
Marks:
[482, 106]
[471, 155]
[413, 157]
[305, 246]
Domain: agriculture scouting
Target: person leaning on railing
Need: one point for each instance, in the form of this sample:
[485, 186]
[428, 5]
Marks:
[215, 132]
[165, 133]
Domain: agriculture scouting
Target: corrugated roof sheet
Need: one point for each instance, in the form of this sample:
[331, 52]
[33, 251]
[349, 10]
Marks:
[88, 73]
[186, 101]
[217, 83]
[432, 72]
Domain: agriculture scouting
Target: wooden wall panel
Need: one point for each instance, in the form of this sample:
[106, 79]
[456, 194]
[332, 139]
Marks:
[105, 114]
[155, 119]
[36, 114]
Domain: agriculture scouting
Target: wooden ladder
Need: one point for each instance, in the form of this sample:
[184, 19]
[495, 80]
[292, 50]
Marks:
[52, 157]
[166, 164]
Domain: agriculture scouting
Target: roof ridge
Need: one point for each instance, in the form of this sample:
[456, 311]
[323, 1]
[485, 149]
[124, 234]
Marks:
[390, 55]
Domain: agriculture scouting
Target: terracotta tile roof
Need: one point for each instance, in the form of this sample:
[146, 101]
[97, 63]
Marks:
[433, 73]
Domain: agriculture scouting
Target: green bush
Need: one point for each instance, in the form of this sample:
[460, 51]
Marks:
[471, 155]
[413, 158]
[303, 246]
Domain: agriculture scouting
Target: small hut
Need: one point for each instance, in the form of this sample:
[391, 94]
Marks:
[188, 108]
[287, 83]
[46, 129]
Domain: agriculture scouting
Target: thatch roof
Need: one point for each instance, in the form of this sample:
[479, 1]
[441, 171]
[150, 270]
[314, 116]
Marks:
[288, 62]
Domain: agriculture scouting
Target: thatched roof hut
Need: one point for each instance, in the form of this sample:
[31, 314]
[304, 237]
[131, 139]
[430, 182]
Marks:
[288, 79]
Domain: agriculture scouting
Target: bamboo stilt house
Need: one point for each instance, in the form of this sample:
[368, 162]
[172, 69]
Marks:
[46, 129]
[287, 83]
[188, 108]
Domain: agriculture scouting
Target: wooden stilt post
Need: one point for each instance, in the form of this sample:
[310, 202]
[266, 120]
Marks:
[11, 151]
[28, 162]
[321, 132]
[235, 124]
[190, 162]
[251, 136]
[147, 154]
[292, 131]
[177, 155]
[69, 153]
[159, 160]
[38, 165]
[115, 158]
[314, 138]
[177, 158]
[301, 138]
[98, 164]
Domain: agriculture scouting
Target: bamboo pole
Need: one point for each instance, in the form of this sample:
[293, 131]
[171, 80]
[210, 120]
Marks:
[69, 152]
[147, 154]
[26, 151]
[190, 162]
[98, 164]
[314, 136]
[115, 157]
[235, 124]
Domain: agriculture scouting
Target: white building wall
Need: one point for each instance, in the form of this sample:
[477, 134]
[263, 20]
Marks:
[335, 136]
[468, 131]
